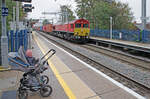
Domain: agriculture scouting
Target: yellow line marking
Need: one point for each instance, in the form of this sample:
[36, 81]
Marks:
[59, 78]
[4, 69]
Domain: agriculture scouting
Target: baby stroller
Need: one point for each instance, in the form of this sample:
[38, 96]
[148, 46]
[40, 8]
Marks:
[32, 79]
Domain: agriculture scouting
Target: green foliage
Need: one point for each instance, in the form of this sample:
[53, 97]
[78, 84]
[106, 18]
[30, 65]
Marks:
[98, 12]
[46, 22]
[67, 8]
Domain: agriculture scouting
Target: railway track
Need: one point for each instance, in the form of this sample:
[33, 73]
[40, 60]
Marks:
[139, 62]
[130, 83]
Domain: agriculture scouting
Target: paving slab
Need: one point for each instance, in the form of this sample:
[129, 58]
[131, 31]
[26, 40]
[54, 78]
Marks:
[96, 82]
[6, 83]
[117, 94]
[9, 94]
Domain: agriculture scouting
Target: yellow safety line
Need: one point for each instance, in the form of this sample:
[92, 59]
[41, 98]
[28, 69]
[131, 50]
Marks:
[58, 76]
[4, 69]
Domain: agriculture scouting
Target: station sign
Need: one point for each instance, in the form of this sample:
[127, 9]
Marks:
[4, 11]
[29, 1]
[27, 6]
[27, 10]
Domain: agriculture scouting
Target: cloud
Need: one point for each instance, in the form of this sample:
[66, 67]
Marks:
[53, 6]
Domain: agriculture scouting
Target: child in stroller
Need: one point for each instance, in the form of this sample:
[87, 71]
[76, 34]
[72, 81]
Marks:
[31, 60]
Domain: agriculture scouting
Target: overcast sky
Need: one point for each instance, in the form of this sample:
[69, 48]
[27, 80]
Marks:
[53, 6]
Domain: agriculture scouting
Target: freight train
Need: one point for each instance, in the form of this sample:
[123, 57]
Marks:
[77, 30]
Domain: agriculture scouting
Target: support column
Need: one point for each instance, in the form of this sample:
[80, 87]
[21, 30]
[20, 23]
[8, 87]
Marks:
[14, 19]
[110, 27]
[143, 14]
[17, 16]
[4, 40]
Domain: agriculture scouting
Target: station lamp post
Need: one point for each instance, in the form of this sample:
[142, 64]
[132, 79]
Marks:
[143, 17]
[111, 27]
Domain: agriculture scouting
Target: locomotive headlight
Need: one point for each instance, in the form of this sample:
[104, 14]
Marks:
[75, 33]
[87, 34]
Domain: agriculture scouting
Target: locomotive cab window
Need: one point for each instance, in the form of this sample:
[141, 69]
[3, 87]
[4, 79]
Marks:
[78, 25]
[72, 26]
[85, 25]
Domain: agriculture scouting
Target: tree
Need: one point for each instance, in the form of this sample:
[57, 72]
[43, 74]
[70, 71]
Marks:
[122, 16]
[85, 9]
[67, 12]
[46, 22]
[98, 12]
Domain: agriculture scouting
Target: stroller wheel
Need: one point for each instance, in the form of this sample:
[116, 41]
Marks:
[23, 94]
[44, 79]
[45, 91]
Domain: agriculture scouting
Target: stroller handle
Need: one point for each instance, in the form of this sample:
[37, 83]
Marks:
[49, 56]
[53, 52]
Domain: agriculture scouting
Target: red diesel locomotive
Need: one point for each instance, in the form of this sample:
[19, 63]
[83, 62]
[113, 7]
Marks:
[77, 30]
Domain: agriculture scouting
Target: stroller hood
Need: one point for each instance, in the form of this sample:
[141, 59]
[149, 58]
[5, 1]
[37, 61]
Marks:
[18, 61]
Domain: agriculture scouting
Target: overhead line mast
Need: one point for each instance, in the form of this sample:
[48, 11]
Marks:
[143, 18]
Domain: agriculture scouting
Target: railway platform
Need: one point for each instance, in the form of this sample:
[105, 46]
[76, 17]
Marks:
[125, 44]
[71, 78]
